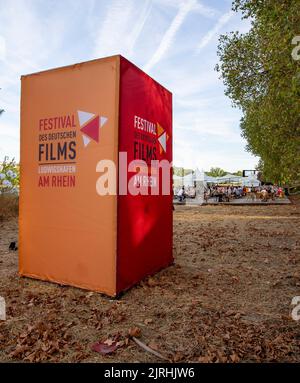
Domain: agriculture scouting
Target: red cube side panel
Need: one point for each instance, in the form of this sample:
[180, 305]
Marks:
[145, 133]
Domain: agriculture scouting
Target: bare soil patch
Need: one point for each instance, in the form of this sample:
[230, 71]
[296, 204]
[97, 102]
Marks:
[226, 299]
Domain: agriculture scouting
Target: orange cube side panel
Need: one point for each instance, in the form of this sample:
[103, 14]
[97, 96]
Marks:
[69, 122]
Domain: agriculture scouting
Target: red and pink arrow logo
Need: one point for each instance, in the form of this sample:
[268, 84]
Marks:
[90, 125]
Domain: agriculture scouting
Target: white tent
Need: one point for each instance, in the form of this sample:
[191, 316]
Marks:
[228, 178]
[175, 177]
[199, 175]
[188, 180]
[210, 179]
[177, 181]
[250, 181]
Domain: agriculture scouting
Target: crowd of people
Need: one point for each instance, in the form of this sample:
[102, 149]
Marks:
[226, 193]
[221, 193]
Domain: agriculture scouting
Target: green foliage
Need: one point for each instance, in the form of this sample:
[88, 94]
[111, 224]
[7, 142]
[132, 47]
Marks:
[181, 172]
[263, 80]
[9, 176]
[216, 172]
[238, 173]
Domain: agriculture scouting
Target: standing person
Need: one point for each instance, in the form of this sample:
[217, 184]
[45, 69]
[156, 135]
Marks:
[253, 193]
[234, 192]
[229, 191]
[264, 193]
[272, 192]
[206, 194]
[240, 192]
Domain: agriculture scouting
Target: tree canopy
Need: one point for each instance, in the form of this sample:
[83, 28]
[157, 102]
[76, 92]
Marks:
[263, 79]
[216, 172]
[181, 172]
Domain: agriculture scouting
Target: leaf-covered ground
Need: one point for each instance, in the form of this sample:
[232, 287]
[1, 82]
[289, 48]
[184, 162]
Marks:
[226, 299]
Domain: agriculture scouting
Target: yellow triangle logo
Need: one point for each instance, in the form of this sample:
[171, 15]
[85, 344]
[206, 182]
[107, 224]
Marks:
[160, 130]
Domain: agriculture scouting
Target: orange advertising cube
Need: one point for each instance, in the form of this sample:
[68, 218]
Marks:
[92, 210]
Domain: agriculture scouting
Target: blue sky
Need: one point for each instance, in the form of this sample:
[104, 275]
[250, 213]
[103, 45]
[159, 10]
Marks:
[173, 40]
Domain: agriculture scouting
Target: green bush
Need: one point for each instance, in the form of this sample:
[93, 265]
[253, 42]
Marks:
[9, 176]
[9, 189]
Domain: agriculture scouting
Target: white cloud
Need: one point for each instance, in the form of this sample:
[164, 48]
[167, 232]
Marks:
[31, 44]
[186, 85]
[30, 40]
[35, 37]
[139, 26]
[8, 129]
[208, 125]
[192, 151]
[2, 48]
[193, 103]
[169, 36]
[121, 28]
[9, 138]
[214, 31]
[204, 10]
[200, 8]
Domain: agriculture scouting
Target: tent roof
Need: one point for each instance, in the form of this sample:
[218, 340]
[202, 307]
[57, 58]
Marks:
[199, 175]
[229, 176]
[175, 177]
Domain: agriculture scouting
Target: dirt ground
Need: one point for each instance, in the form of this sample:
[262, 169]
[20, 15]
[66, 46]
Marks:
[227, 298]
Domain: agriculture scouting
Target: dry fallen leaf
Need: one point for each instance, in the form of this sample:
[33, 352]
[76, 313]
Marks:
[204, 359]
[135, 331]
[153, 345]
[177, 357]
[109, 342]
[104, 348]
[234, 357]
[19, 350]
